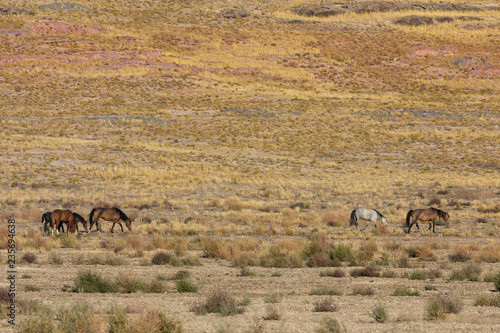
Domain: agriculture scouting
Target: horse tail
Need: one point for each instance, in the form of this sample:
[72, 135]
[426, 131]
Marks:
[353, 217]
[408, 217]
[91, 218]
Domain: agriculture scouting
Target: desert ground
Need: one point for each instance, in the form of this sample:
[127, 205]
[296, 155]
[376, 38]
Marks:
[238, 136]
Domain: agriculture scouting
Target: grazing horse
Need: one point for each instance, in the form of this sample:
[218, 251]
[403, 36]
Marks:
[60, 216]
[46, 221]
[109, 214]
[367, 215]
[425, 215]
[79, 218]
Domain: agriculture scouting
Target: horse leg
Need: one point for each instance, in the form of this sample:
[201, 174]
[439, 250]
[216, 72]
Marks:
[411, 225]
[366, 226]
[121, 225]
[114, 222]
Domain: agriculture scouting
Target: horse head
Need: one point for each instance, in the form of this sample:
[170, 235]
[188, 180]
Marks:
[128, 223]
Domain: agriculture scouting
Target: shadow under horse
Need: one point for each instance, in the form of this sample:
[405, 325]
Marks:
[109, 214]
[430, 215]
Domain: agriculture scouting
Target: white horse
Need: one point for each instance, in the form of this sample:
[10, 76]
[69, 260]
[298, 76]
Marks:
[367, 215]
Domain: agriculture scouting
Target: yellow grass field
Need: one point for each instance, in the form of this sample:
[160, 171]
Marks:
[238, 136]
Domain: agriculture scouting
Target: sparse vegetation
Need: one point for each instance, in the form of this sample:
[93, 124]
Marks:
[380, 313]
[239, 140]
[438, 308]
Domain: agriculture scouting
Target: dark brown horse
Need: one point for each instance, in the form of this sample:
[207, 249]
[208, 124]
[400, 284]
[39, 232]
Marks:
[59, 216]
[425, 215]
[109, 214]
[79, 218]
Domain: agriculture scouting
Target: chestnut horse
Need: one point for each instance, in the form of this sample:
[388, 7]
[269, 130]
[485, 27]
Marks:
[109, 214]
[425, 215]
[59, 216]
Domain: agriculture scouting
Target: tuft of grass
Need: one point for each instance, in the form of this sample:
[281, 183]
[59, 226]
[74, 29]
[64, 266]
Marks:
[79, 318]
[363, 290]
[219, 302]
[246, 271]
[368, 271]
[272, 313]
[326, 291]
[29, 258]
[487, 300]
[117, 319]
[321, 260]
[402, 290]
[92, 282]
[31, 287]
[331, 325]
[380, 313]
[185, 286]
[342, 252]
[496, 281]
[332, 272]
[161, 258]
[438, 308]
[274, 297]
[325, 305]
[471, 272]
[181, 275]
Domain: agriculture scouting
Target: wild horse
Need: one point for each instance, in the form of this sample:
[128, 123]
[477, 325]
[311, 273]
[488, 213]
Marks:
[60, 216]
[109, 214]
[367, 215]
[425, 215]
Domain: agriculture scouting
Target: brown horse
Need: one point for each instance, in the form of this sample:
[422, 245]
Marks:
[109, 214]
[59, 216]
[79, 218]
[425, 215]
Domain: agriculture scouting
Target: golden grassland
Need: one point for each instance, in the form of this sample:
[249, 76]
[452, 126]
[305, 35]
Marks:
[247, 143]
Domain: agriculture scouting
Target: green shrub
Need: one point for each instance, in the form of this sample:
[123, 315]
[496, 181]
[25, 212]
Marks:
[42, 323]
[363, 290]
[332, 273]
[496, 281]
[471, 272]
[31, 287]
[185, 286]
[331, 325]
[117, 319]
[219, 302]
[420, 274]
[342, 252]
[79, 318]
[168, 325]
[91, 282]
[405, 291]
[326, 291]
[488, 300]
[379, 313]
[439, 307]
[181, 275]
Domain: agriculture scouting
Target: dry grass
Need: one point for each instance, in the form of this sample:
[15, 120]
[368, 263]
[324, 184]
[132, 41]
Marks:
[250, 146]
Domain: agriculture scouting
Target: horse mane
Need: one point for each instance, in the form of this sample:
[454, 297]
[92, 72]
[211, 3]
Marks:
[78, 216]
[122, 214]
[439, 211]
[379, 214]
